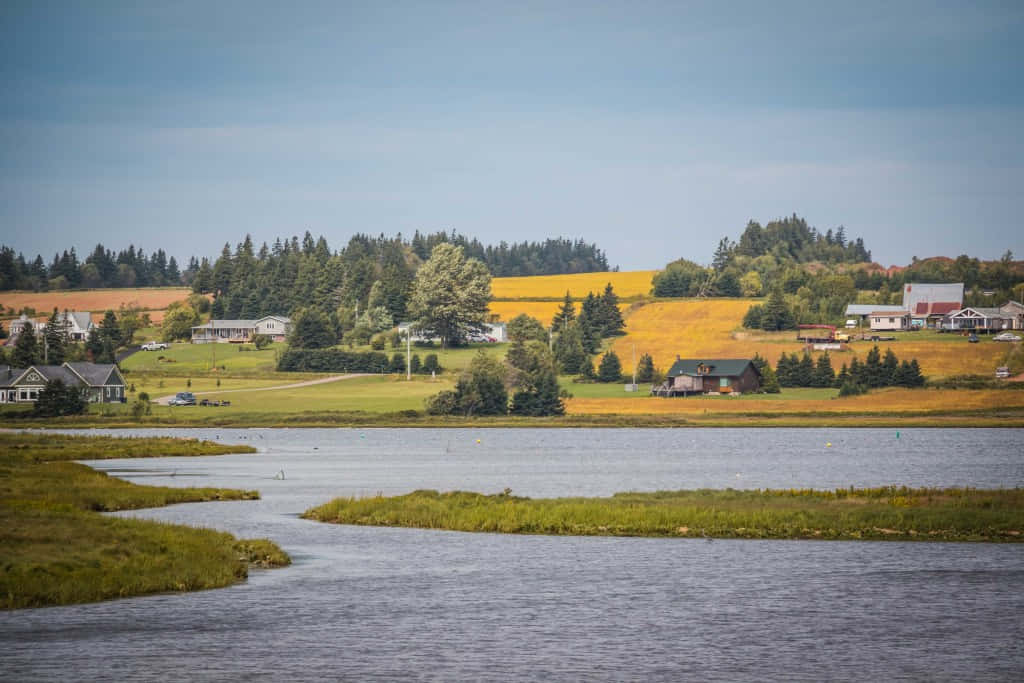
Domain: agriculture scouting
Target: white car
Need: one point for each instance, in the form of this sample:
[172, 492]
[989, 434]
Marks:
[153, 346]
[1006, 336]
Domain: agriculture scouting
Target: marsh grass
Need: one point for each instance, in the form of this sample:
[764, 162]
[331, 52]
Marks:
[55, 549]
[845, 514]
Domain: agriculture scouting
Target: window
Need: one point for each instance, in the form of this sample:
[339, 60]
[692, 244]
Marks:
[723, 382]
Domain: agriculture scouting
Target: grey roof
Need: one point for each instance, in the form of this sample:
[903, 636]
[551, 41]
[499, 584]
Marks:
[52, 372]
[916, 292]
[8, 374]
[82, 318]
[868, 309]
[719, 367]
[95, 374]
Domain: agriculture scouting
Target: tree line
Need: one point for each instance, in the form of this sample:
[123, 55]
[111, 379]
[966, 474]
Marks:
[133, 267]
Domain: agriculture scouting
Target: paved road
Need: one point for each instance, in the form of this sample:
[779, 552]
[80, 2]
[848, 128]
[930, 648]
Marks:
[163, 400]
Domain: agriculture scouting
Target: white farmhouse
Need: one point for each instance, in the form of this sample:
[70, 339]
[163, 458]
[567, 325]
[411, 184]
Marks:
[276, 327]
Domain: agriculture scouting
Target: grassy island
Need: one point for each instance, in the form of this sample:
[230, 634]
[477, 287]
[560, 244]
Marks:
[55, 549]
[889, 513]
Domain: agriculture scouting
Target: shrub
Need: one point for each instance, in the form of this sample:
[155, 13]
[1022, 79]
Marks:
[260, 341]
[378, 342]
[143, 396]
[431, 364]
[331, 360]
[414, 363]
[851, 388]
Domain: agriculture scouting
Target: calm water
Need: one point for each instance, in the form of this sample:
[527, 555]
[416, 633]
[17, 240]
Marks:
[368, 603]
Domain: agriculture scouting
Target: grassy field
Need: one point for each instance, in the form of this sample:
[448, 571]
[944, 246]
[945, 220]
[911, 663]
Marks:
[890, 401]
[711, 328]
[57, 550]
[627, 285]
[889, 513]
[96, 300]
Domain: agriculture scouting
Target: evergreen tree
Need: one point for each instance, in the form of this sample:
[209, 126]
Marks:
[565, 315]
[784, 370]
[857, 373]
[55, 338]
[611, 321]
[769, 380]
[312, 329]
[873, 369]
[94, 344]
[842, 377]
[915, 378]
[532, 376]
[110, 331]
[610, 369]
[569, 351]
[890, 369]
[26, 349]
[589, 324]
[776, 314]
[824, 375]
[645, 369]
[805, 371]
[752, 318]
[57, 399]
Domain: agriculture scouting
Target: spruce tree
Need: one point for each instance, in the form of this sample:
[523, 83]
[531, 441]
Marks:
[110, 331]
[26, 348]
[565, 315]
[890, 368]
[769, 380]
[915, 376]
[55, 338]
[784, 371]
[873, 369]
[569, 351]
[612, 323]
[805, 371]
[645, 369]
[842, 377]
[824, 375]
[589, 324]
[610, 369]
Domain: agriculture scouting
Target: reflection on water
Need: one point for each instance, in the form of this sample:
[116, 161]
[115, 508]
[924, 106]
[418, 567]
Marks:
[371, 603]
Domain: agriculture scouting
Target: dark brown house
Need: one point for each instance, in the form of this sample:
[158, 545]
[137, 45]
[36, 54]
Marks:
[689, 376]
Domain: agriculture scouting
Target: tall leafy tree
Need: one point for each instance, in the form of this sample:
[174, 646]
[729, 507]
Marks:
[450, 294]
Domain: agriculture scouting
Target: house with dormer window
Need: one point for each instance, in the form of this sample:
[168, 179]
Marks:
[100, 382]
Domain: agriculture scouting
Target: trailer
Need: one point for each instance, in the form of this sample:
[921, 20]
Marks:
[816, 334]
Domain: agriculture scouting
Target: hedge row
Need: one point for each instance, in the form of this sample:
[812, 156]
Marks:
[332, 360]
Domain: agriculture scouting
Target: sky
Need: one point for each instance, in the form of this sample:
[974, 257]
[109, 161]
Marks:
[651, 128]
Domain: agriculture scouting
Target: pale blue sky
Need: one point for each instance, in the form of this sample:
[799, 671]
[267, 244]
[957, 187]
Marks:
[650, 128]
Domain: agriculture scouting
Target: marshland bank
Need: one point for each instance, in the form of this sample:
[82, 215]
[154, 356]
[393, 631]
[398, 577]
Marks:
[58, 549]
[883, 513]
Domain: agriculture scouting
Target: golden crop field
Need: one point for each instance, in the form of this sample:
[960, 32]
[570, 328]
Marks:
[625, 284]
[711, 328]
[96, 300]
[543, 311]
[885, 401]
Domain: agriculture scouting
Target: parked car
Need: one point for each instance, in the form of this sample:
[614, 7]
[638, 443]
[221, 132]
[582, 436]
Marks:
[1002, 372]
[183, 398]
[153, 346]
[850, 324]
[1007, 337]
[973, 339]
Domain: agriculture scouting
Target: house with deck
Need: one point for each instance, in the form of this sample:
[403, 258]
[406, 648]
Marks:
[276, 327]
[978, 319]
[690, 376]
[100, 382]
[76, 323]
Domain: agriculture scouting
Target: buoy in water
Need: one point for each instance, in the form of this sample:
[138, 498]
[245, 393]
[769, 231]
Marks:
[478, 440]
[828, 444]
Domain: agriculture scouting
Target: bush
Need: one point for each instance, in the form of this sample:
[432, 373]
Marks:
[378, 342]
[395, 338]
[398, 363]
[442, 403]
[57, 399]
[143, 396]
[850, 388]
[414, 363]
[260, 341]
[431, 364]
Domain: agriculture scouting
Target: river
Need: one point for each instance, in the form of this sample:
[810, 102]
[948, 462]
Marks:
[379, 603]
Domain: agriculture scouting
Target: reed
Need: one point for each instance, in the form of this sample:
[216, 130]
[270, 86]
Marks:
[58, 550]
[887, 513]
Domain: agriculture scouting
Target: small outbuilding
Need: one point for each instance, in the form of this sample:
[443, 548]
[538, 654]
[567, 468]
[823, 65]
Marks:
[689, 376]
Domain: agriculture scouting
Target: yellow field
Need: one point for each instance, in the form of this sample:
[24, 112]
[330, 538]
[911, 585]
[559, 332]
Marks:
[711, 328]
[96, 300]
[885, 401]
[627, 284]
[543, 311]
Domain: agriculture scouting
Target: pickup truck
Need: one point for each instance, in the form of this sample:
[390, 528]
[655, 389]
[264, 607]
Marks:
[153, 346]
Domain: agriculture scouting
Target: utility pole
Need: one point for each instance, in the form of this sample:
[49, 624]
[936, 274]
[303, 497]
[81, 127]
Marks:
[634, 365]
[408, 353]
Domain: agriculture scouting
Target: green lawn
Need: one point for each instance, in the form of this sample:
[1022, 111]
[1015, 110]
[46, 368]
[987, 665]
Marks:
[183, 359]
